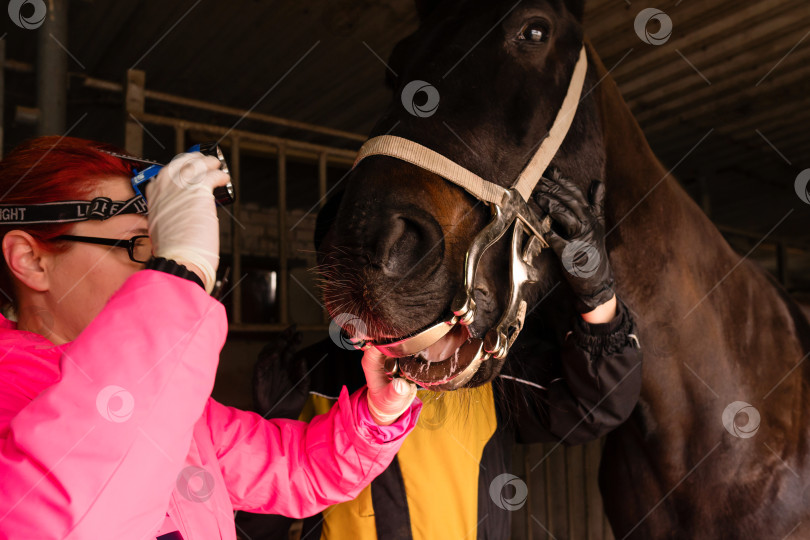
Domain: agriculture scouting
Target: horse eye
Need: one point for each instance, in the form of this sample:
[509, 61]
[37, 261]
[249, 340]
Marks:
[536, 32]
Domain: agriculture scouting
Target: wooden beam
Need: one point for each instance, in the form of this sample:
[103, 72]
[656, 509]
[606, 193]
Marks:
[133, 107]
[179, 139]
[706, 46]
[251, 115]
[744, 68]
[725, 97]
[148, 118]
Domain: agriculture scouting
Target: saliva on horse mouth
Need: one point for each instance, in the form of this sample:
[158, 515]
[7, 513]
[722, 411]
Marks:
[447, 364]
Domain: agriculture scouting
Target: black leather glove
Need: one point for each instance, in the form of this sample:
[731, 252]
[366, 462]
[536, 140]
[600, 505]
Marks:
[577, 236]
[280, 385]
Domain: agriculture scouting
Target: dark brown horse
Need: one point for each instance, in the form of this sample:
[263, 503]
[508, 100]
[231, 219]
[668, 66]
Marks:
[715, 329]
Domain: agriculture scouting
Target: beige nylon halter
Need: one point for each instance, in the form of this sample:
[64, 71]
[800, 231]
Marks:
[424, 157]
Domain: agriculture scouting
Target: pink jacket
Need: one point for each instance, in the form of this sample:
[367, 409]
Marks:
[114, 435]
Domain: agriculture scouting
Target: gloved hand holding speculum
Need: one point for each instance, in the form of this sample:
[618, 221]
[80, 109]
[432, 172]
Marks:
[183, 221]
[387, 399]
[577, 236]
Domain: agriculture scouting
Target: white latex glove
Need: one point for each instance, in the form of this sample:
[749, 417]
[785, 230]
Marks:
[183, 221]
[387, 399]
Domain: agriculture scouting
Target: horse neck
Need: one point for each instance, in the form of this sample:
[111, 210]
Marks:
[646, 205]
[673, 267]
[694, 301]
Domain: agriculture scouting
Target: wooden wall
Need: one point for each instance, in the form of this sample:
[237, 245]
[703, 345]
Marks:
[564, 500]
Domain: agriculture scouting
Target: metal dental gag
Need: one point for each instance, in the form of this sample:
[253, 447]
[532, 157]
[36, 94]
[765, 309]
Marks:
[509, 209]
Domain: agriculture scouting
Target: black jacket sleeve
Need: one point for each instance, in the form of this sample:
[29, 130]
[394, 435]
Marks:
[578, 391]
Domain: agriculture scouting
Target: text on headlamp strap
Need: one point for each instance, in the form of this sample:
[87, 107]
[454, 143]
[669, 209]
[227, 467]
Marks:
[100, 208]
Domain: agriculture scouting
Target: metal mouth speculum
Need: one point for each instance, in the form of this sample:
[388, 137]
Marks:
[527, 243]
[412, 344]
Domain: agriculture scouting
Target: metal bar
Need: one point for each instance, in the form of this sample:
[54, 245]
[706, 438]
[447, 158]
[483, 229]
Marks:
[244, 135]
[204, 105]
[19, 67]
[99, 84]
[265, 149]
[52, 63]
[92, 82]
[109, 86]
[282, 233]
[234, 165]
[133, 106]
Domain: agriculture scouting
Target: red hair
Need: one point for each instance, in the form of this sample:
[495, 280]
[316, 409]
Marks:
[51, 169]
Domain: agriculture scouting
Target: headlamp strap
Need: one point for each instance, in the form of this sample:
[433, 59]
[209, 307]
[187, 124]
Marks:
[100, 208]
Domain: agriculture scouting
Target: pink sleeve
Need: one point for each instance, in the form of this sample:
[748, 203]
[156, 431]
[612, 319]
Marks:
[296, 468]
[373, 431]
[96, 455]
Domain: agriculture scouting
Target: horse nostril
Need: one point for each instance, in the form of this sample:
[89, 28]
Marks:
[408, 241]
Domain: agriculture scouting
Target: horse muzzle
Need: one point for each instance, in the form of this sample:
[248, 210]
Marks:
[411, 356]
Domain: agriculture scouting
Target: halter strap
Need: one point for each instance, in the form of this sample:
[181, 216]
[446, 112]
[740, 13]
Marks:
[548, 149]
[424, 157]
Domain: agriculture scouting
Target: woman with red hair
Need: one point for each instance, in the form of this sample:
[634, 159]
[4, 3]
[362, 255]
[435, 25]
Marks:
[108, 357]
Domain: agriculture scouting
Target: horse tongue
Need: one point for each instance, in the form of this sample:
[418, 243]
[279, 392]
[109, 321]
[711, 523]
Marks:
[446, 347]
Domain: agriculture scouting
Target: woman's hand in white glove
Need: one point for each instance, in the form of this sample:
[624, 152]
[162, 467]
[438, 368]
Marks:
[387, 399]
[183, 221]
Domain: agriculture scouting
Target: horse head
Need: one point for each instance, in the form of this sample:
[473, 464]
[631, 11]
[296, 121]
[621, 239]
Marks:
[481, 83]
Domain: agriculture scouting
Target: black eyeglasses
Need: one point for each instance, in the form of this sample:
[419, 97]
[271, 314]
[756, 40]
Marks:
[139, 247]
